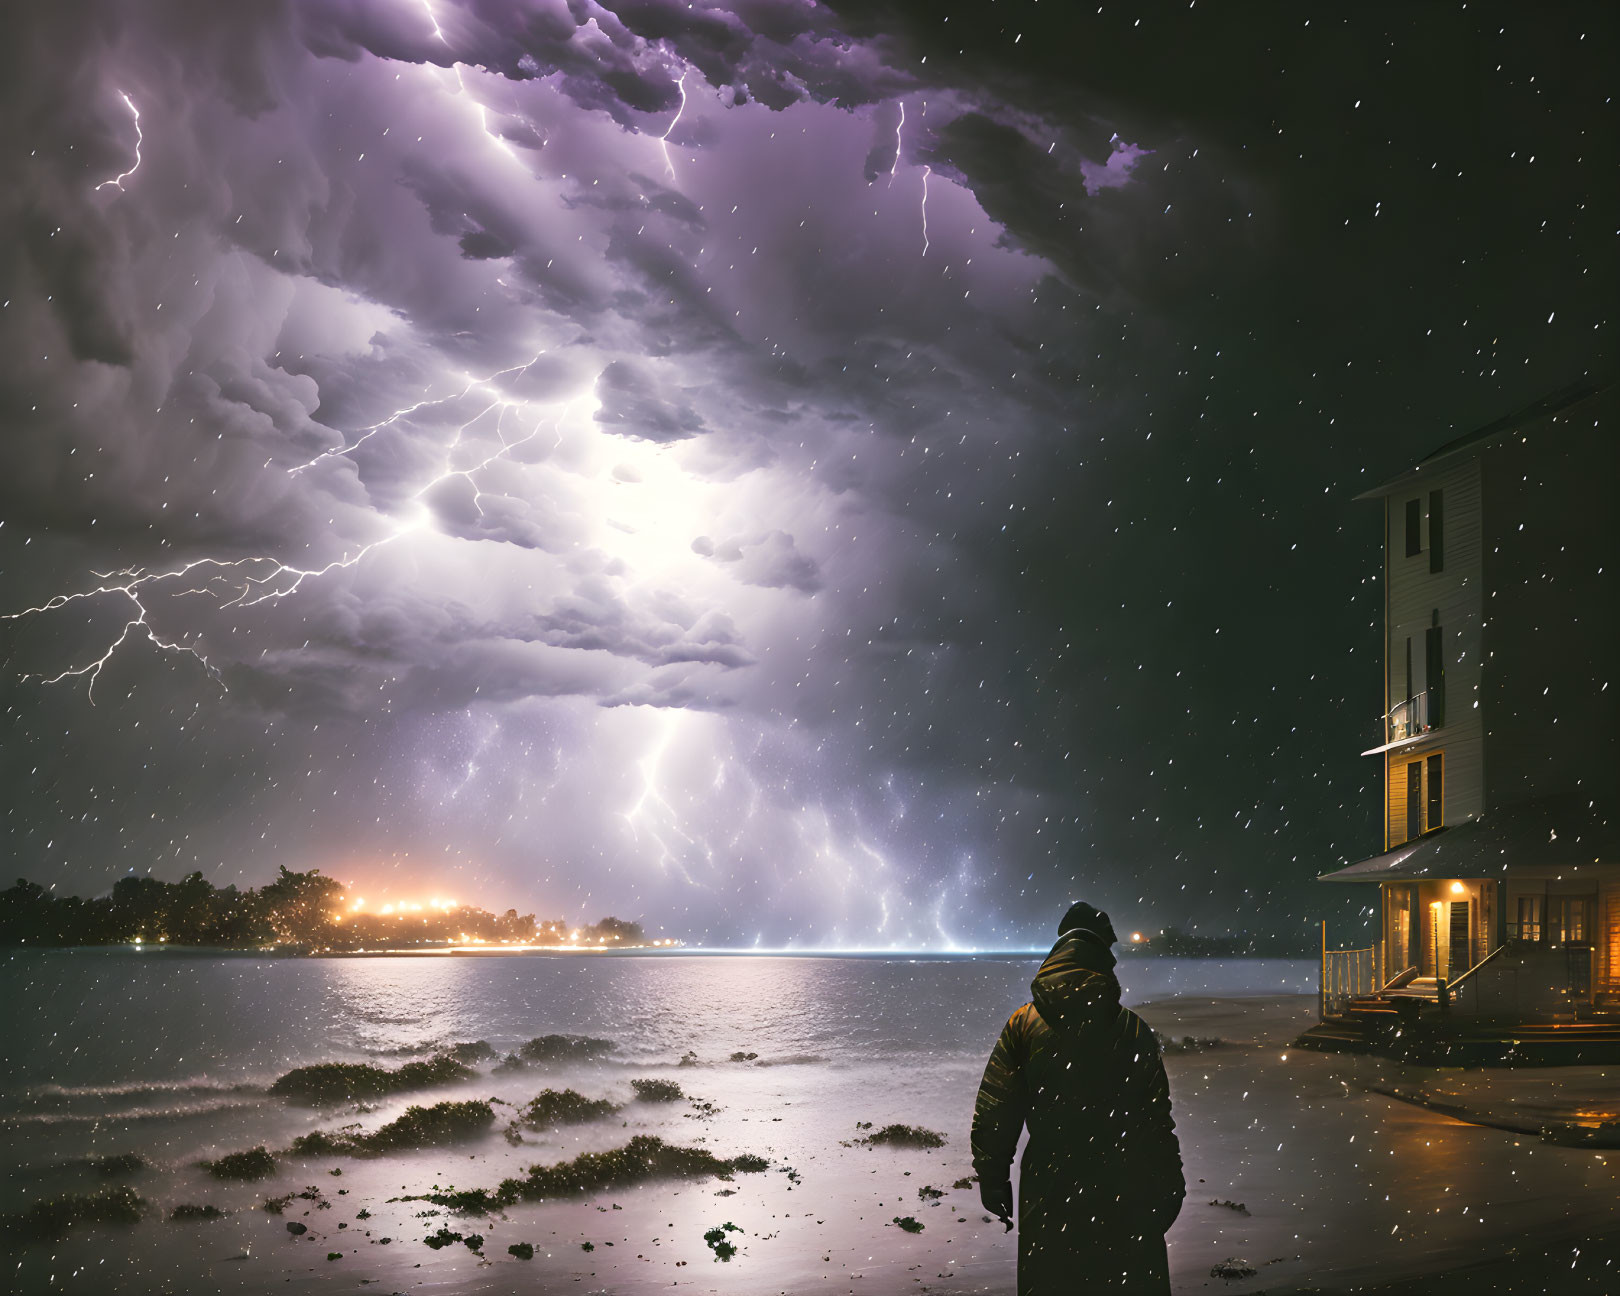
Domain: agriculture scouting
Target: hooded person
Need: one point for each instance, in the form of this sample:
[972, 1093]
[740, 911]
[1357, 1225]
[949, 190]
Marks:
[1101, 1178]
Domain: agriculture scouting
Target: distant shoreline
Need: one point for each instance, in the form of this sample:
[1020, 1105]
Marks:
[124, 949]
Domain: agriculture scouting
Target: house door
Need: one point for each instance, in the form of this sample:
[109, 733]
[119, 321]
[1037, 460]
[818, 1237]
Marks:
[1459, 943]
[1611, 941]
[1400, 936]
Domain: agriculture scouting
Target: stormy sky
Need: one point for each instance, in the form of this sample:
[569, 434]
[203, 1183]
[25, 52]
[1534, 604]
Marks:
[853, 474]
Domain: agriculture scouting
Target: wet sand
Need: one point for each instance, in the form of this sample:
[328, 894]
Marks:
[1344, 1190]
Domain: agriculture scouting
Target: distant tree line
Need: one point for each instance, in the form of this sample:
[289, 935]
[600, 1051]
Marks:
[308, 910]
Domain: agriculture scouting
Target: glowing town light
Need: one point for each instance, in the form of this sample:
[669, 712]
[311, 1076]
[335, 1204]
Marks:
[1137, 938]
[117, 182]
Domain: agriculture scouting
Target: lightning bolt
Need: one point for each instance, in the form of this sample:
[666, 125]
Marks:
[651, 806]
[239, 583]
[238, 578]
[117, 182]
[895, 166]
[366, 433]
[663, 142]
[461, 83]
[927, 171]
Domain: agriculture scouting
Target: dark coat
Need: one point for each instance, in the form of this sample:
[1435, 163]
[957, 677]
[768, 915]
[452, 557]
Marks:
[1101, 1179]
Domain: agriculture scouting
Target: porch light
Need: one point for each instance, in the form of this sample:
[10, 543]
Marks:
[1457, 888]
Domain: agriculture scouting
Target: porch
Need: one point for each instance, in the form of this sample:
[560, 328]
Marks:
[1491, 947]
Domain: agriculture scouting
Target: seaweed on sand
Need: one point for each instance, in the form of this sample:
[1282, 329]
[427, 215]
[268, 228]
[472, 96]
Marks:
[657, 1090]
[719, 1243]
[56, 1215]
[909, 1223]
[446, 1122]
[563, 1107]
[332, 1082]
[645, 1157]
[255, 1163]
[190, 1211]
[522, 1250]
[913, 1136]
[565, 1048]
[120, 1163]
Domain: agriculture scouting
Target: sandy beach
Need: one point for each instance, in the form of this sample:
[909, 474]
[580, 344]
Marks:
[1297, 1171]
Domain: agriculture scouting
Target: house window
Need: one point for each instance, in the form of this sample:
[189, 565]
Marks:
[1414, 800]
[1434, 675]
[1528, 927]
[1414, 528]
[1569, 918]
[1436, 799]
[1437, 554]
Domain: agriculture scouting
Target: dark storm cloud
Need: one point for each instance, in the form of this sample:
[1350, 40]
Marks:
[772, 560]
[635, 403]
[755, 553]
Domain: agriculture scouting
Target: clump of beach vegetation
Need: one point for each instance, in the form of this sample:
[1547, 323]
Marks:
[56, 1215]
[565, 1048]
[119, 1163]
[912, 1136]
[255, 1163]
[563, 1107]
[335, 1082]
[644, 1158]
[446, 1122]
[189, 1211]
[657, 1090]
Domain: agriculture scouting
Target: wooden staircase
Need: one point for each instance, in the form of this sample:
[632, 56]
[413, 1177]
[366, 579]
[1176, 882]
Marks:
[1406, 1022]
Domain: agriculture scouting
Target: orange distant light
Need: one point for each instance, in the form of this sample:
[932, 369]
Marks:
[1136, 938]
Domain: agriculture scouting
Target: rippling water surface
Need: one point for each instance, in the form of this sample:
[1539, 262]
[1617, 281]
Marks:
[97, 1021]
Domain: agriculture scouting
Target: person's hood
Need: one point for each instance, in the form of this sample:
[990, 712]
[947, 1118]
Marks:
[1076, 989]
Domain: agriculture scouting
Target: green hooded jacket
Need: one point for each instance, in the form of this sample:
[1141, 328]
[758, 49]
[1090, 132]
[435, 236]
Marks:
[1103, 1165]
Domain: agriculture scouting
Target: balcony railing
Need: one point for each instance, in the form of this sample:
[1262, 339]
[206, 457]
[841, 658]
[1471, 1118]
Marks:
[1407, 719]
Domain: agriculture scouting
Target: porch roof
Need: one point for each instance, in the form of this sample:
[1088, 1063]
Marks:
[1556, 831]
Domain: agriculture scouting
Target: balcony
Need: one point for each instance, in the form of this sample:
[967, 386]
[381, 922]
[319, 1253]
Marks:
[1408, 719]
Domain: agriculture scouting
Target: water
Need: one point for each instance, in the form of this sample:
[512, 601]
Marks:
[169, 1054]
[109, 1018]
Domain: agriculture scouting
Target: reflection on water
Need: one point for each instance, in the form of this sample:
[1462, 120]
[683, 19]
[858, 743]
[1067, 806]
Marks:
[89, 1018]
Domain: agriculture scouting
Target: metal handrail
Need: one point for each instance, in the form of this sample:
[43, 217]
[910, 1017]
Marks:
[1402, 978]
[1454, 984]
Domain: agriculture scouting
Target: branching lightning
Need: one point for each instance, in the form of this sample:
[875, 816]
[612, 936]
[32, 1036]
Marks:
[366, 433]
[117, 182]
[238, 583]
[652, 811]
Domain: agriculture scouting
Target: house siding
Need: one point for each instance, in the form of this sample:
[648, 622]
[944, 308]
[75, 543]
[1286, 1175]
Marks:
[1416, 599]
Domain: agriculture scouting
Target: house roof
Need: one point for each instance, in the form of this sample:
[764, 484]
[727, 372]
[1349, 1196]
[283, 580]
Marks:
[1552, 403]
[1559, 831]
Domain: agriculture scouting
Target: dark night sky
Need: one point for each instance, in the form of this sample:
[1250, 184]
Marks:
[598, 457]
